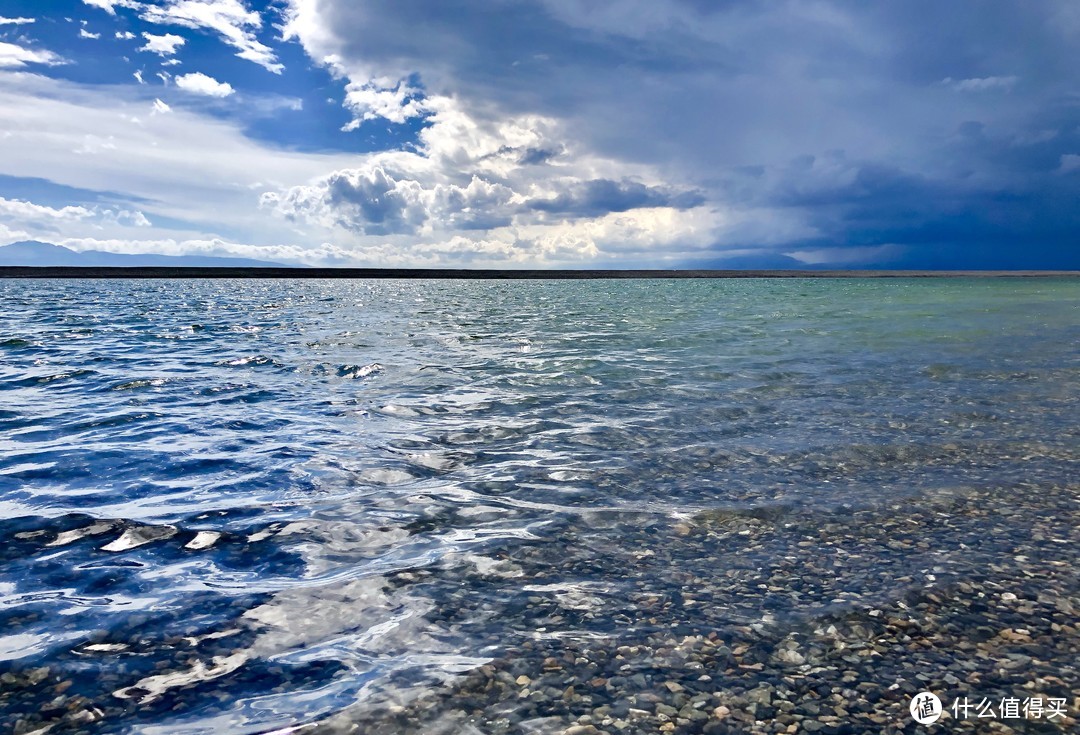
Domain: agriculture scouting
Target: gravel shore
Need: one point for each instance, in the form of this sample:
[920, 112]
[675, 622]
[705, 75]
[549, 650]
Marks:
[770, 620]
[964, 593]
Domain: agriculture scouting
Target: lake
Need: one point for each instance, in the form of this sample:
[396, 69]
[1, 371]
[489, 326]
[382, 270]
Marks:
[535, 506]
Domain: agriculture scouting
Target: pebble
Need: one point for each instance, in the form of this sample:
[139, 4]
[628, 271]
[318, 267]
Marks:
[816, 627]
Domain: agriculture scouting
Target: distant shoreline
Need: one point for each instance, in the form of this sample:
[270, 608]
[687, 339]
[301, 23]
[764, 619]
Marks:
[490, 274]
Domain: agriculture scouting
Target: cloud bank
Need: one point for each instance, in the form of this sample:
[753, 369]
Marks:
[933, 130]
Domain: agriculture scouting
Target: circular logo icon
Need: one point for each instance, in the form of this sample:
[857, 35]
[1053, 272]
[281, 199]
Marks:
[925, 708]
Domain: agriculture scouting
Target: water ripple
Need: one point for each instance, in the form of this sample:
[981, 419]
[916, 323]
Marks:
[248, 506]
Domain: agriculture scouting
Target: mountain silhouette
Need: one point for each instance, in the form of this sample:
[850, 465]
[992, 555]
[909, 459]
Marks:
[36, 253]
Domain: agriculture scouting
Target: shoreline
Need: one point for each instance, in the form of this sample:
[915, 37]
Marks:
[493, 274]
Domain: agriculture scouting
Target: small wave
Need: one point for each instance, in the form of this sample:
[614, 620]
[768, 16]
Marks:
[359, 371]
[15, 343]
[28, 469]
[393, 409]
[249, 360]
[135, 537]
[141, 383]
[384, 476]
[435, 461]
[203, 540]
[65, 531]
[94, 529]
[54, 377]
[352, 372]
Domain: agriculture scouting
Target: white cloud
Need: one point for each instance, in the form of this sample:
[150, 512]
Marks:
[230, 19]
[1069, 162]
[199, 83]
[9, 235]
[15, 21]
[109, 6]
[15, 56]
[173, 165]
[125, 35]
[138, 76]
[164, 45]
[324, 253]
[981, 84]
[370, 100]
[18, 209]
[83, 33]
[44, 219]
[94, 144]
[652, 233]
[159, 108]
[127, 218]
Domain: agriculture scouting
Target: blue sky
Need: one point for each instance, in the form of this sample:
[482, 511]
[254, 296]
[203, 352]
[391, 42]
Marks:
[561, 133]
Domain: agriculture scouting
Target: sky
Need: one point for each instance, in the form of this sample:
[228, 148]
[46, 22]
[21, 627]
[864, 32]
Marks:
[546, 133]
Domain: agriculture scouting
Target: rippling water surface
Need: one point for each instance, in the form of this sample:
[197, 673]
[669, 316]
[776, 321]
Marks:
[236, 506]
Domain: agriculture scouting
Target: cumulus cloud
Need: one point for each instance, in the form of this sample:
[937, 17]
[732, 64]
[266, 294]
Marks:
[15, 21]
[159, 108]
[15, 56]
[564, 220]
[396, 102]
[125, 35]
[466, 174]
[83, 33]
[165, 45]
[374, 202]
[229, 19]
[199, 83]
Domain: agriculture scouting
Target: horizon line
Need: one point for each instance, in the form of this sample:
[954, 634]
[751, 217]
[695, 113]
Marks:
[168, 272]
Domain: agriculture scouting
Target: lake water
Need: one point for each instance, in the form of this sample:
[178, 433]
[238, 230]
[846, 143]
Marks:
[381, 506]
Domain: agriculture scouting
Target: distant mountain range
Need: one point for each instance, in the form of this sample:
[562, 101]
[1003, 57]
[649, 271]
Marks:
[35, 253]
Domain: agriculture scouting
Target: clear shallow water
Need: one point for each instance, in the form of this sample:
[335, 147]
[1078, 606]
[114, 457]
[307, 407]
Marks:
[247, 505]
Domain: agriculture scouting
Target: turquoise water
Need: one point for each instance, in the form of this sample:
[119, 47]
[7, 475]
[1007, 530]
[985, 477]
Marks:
[246, 505]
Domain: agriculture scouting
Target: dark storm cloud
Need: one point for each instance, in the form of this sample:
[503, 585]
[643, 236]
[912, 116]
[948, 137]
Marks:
[537, 156]
[601, 196]
[945, 131]
[999, 201]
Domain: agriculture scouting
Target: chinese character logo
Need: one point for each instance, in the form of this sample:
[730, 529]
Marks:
[925, 708]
